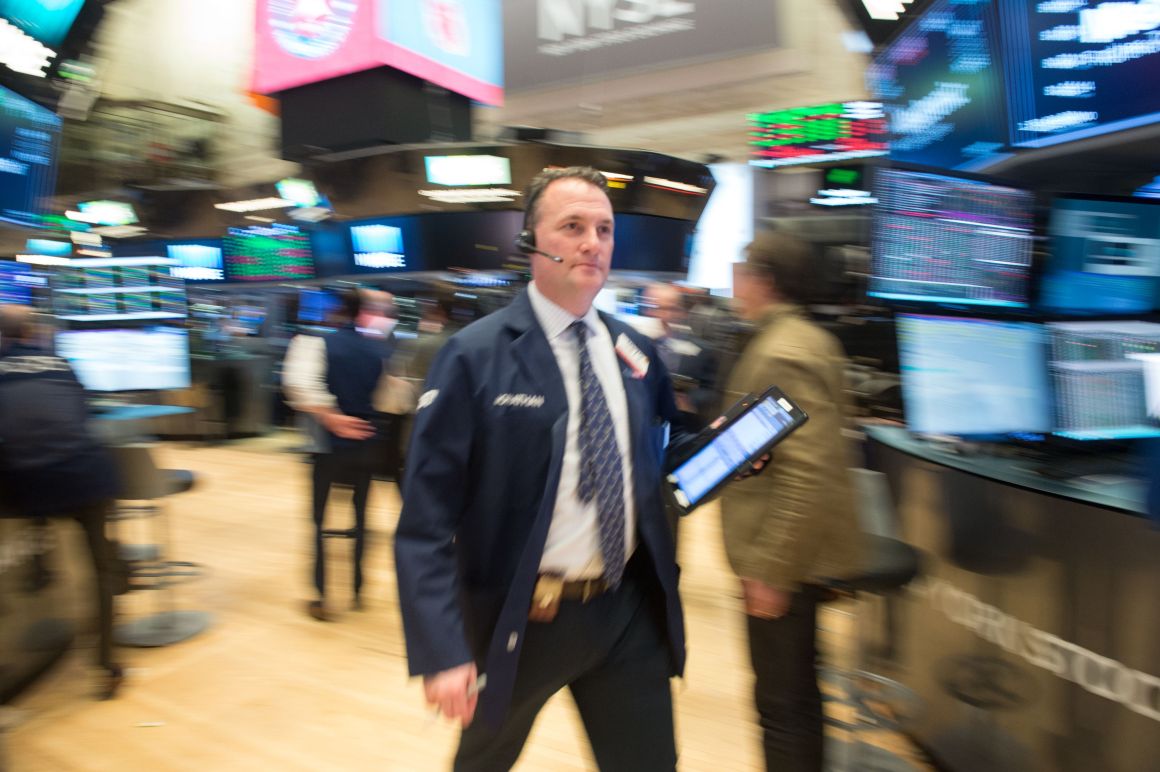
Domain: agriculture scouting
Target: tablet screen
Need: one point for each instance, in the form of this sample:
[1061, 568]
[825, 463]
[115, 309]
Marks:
[729, 450]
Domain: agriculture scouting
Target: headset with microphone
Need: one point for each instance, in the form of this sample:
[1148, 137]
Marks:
[526, 243]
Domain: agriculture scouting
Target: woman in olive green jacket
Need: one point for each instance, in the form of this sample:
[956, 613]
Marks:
[796, 523]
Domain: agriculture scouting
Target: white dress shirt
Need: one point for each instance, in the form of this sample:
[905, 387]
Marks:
[573, 546]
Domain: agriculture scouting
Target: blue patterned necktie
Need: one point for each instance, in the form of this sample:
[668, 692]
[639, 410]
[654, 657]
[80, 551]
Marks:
[601, 472]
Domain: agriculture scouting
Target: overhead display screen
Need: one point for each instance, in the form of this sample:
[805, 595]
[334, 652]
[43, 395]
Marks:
[1078, 68]
[1104, 258]
[18, 282]
[804, 135]
[267, 253]
[453, 43]
[118, 289]
[45, 20]
[941, 239]
[942, 84]
[29, 140]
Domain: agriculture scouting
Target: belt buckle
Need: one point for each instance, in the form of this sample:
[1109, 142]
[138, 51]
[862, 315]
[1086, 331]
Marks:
[586, 593]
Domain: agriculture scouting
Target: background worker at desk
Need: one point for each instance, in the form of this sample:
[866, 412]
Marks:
[536, 461]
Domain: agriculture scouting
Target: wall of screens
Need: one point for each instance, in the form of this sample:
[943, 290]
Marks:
[29, 144]
[970, 80]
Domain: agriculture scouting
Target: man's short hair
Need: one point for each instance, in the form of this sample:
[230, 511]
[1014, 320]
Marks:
[785, 259]
[350, 303]
[541, 181]
[14, 323]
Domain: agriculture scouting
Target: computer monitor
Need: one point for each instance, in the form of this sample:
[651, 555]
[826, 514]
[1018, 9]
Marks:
[274, 252]
[974, 377]
[18, 283]
[141, 359]
[1099, 374]
[950, 240]
[118, 289]
[1105, 256]
[942, 81]
[1079, 68]
[315, 306]
[29, 146]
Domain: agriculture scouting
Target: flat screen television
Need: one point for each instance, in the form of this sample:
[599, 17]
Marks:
[118, 289]
[29, 145]
[1099, 376]
[1079, 68]
[974, 377]
[141, 359]
[1104, 256]
[951, 240]
[47, 21]
[19, 282]
[274, 252]
[199, 260]
[315, 306]
[941, 81]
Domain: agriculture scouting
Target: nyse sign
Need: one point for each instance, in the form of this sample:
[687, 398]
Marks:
[551, 42]
[558, 18]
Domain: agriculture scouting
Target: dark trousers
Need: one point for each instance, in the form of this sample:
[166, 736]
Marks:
[93, 519]
[348, 467]
[613, 655]
[784, 656]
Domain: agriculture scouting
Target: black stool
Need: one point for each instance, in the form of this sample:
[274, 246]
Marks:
[143, 483]
[888, 566]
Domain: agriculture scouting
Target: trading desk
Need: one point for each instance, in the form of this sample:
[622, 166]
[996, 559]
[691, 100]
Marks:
[1032, 636]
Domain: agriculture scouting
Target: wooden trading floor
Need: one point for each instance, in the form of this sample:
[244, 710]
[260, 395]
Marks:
[269, 688]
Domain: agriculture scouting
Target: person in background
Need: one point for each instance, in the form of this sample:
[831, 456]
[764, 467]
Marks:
[532, 547]
[333, 379]
[416, 356]
[798, 522]
[51, 465]
[690, 362]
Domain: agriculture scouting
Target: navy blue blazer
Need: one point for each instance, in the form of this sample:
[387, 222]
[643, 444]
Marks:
[479, 493]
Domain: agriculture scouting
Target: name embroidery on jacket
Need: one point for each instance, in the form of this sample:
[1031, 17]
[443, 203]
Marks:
[519, 400]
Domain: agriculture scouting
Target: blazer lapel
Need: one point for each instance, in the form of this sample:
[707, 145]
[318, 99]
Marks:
[534, 355]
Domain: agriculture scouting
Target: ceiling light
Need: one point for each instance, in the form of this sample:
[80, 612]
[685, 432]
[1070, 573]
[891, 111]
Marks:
[256, 204]
[679, 187]
[471, 195]
[886, 10]
[120, 231]
[42, 260]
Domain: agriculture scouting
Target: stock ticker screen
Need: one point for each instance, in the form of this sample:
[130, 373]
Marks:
[29, 140]
[942, 239]
[273, 252]
[1099, 372]
[1078, 68]
[974, 376]
[1105, 257]
[822, 133]
[942, 84]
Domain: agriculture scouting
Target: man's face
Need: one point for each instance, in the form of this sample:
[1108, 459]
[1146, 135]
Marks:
[575, 223]
[664, 303]
[750, 292]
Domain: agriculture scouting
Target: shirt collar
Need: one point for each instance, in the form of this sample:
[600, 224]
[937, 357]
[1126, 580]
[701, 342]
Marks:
[555, 320]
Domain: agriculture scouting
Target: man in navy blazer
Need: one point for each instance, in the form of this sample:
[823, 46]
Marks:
[496, 524]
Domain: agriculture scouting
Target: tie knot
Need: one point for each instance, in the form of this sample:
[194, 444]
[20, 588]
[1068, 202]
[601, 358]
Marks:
[581, 330]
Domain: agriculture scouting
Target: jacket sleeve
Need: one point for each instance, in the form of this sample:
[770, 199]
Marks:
[434, 500]
[783, 543]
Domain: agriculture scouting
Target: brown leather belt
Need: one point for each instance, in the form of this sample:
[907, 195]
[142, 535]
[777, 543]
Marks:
[584, 590]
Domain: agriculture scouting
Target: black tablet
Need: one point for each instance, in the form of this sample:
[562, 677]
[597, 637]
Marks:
[747, 432]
